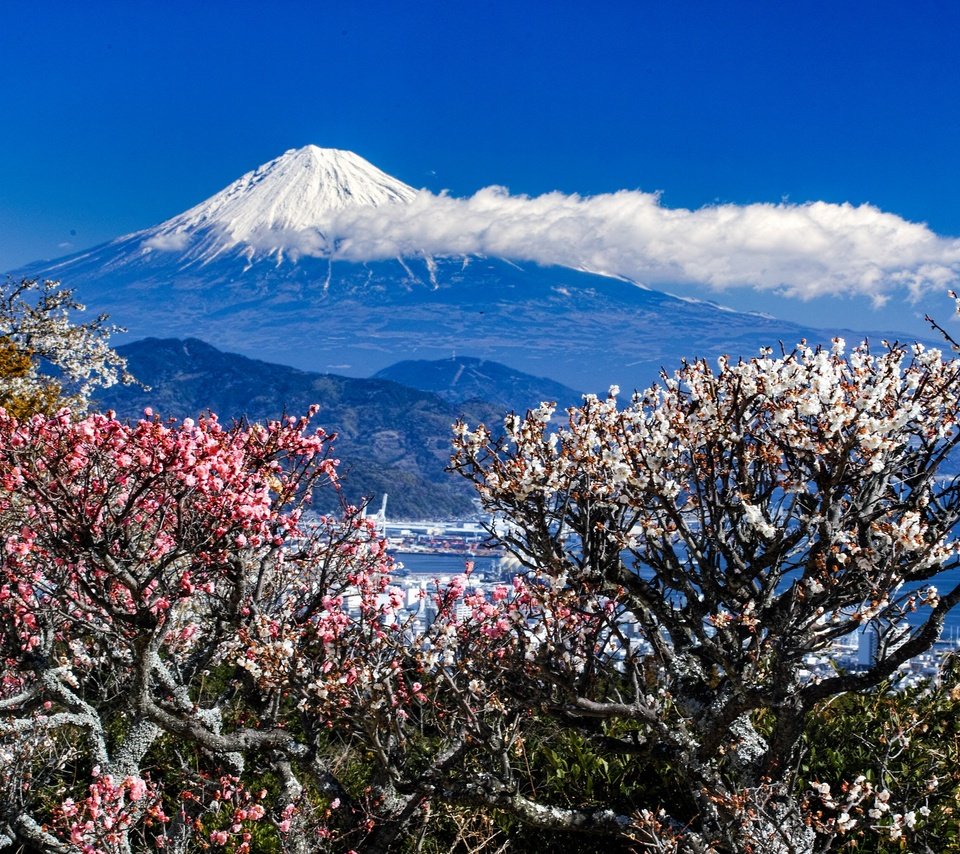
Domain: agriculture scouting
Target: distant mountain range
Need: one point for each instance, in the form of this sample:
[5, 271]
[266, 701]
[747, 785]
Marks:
[258, 270]
[463, 379]
[390, 437]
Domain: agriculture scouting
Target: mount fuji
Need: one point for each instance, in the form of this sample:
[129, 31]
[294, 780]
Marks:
[258, 269]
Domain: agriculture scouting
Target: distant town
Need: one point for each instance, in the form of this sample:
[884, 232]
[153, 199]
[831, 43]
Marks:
[431, 552]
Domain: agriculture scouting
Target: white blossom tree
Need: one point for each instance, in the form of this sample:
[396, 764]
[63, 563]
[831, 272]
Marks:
[48, 357]
[700, 541]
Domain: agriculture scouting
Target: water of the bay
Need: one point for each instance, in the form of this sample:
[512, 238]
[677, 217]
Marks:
[436, 565]
[432, 565]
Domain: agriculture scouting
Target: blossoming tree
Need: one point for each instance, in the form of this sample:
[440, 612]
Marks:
[142, 567]
[48, 357]
[699, 542]
[187, 663]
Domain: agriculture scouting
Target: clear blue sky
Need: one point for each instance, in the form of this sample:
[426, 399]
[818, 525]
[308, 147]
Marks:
[118, 115]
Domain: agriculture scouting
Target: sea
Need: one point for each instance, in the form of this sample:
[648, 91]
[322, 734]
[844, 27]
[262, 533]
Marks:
[440, 565]
[427, 564]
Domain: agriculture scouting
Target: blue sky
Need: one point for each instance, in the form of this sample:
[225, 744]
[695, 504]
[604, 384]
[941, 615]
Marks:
[119, 115]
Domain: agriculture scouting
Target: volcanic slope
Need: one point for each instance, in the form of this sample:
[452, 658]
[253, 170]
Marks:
[256, 269]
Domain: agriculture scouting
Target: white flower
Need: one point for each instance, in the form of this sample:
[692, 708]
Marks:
[845, 822]
[754, 518]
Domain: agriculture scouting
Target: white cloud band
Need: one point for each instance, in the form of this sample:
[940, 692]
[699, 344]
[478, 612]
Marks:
[798, 250]
[801, 250]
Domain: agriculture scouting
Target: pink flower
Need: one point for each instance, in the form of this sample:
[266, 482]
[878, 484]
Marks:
[136, 786]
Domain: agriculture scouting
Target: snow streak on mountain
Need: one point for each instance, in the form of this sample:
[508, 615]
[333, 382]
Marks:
[254, 269]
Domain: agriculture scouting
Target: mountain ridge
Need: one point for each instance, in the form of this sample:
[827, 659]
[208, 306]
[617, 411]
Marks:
[390, 437]
[461, 379]
[273, 294]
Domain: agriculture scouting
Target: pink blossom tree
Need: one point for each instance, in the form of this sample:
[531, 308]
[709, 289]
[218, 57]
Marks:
[156, 584]
[687, 550]
[189, 661]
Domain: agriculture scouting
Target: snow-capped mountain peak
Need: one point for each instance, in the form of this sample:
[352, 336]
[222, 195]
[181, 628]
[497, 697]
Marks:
[260, 269]
[282, 207]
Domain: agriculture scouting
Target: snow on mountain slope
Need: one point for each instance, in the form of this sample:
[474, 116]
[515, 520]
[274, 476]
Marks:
[281, 208]
[250, 270]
